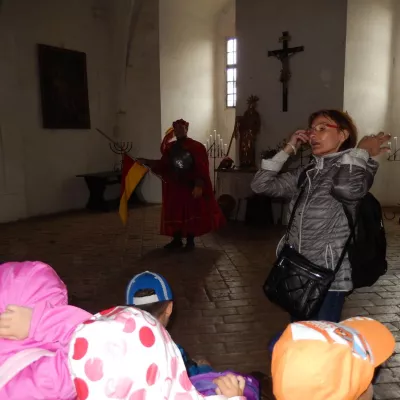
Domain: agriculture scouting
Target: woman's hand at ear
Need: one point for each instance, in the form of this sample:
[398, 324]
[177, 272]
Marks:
[295, 141]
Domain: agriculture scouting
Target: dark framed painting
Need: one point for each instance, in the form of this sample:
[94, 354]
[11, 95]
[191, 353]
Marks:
[64, 88]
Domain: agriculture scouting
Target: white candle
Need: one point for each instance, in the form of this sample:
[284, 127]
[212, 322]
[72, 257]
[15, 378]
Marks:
[208, 143]
[226, 149]
[395, 144]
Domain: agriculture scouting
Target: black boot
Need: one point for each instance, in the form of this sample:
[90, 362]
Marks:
[189, 242]
[176, 242]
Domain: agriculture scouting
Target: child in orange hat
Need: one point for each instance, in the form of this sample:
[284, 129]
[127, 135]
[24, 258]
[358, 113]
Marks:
[318, 360]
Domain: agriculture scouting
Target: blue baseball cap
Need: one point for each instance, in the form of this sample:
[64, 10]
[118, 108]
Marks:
[148, 280]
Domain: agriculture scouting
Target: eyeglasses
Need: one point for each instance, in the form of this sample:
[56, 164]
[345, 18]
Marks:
[321, 127]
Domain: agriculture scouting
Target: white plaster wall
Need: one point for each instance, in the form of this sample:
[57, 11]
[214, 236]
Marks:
[187, 66]
[141, 122]
[369, 63]
[388, 180]
[124, 18]
[225, 28]
[317, 73]
[38, 166]
[368, 79]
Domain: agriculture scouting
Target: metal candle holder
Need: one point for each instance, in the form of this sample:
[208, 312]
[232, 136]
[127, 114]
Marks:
[393, 154]
[215, 148]
[120, 148]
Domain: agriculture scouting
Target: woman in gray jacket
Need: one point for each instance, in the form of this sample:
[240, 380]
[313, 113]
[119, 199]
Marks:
[339, 173]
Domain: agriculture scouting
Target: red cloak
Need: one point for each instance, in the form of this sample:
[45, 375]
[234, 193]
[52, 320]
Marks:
[181, 212]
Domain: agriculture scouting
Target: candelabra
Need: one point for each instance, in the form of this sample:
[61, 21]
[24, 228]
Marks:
[392, 156]
[393, 151]
[120, 148]
[215, 149]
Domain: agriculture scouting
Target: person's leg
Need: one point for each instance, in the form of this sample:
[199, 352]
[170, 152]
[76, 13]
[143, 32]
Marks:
[190, 242]
[277, 336]
[176, 242]
[272, 342]
[376, 375]
[331, 309]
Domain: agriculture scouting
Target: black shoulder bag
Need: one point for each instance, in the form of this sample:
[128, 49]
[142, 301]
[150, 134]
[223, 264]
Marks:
[295, 283]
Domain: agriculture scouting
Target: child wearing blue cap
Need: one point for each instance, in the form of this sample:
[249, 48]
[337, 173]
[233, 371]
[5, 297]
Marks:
[151, 292]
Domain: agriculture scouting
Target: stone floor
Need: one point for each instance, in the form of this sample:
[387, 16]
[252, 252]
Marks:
[221, 313]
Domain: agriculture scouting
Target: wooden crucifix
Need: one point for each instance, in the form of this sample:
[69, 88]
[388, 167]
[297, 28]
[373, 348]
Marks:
[283, 56]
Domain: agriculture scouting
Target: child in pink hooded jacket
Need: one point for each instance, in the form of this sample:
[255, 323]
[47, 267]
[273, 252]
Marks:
[34, 307]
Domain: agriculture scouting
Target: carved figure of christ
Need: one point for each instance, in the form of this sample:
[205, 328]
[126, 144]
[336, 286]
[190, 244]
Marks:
[283, 55]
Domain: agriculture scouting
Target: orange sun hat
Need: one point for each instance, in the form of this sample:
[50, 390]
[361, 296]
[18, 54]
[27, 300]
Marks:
[318, 360]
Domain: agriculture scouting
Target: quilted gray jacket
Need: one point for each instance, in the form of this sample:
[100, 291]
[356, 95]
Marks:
[320, 228]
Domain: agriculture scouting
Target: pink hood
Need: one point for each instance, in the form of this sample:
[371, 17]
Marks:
[37, 285]
[29, 283]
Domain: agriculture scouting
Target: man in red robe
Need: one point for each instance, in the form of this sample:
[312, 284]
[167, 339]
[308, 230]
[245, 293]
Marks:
[189, 208]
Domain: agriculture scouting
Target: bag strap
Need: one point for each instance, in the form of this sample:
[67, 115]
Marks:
[350, 221]
[293, 214]
[303, 174]
[342, 255]
[351, 236]
[19, 361]
[301, 183]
